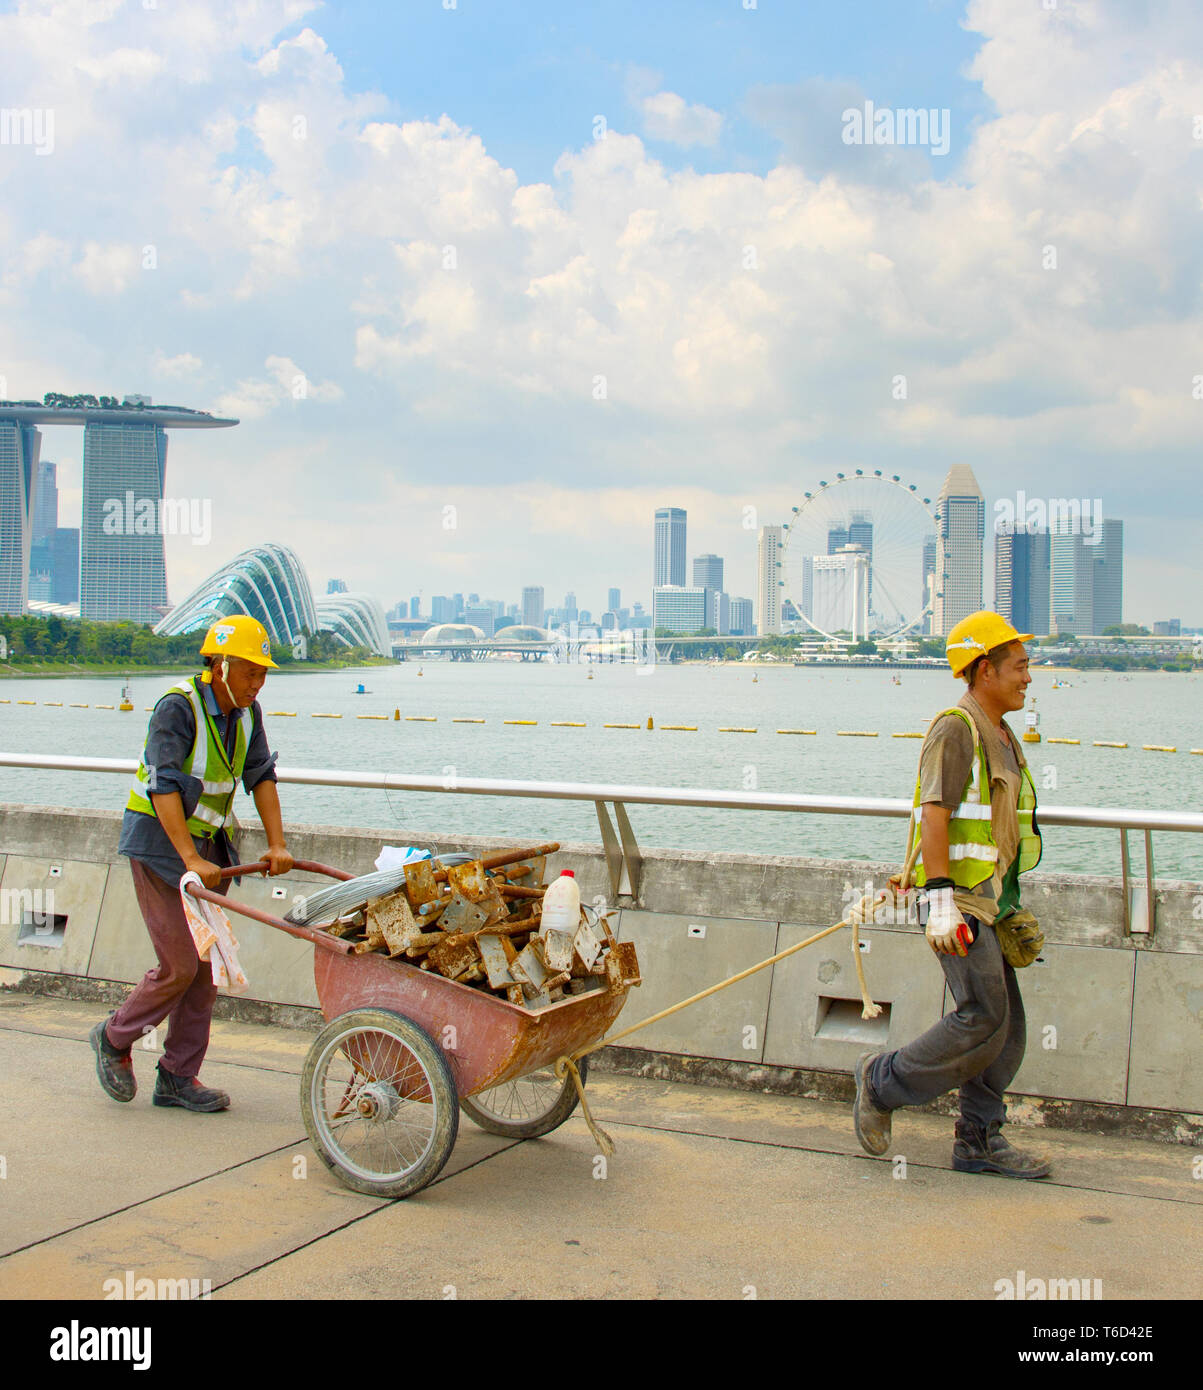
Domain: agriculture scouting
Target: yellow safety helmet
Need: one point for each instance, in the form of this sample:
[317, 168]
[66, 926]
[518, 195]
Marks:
[241, 636]
[978, 634]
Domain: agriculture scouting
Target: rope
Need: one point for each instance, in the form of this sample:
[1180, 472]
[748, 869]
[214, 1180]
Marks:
[860, 912]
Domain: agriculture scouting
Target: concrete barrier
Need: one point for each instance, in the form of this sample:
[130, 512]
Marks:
[1115, 1023]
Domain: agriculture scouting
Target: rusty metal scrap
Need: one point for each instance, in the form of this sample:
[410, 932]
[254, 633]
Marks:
[471, 924]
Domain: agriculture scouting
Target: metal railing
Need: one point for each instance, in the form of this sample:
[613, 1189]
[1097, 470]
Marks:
[624, 859]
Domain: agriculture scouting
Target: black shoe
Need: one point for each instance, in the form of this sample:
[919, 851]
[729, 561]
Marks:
[986, 1151]
[871, 1121]
[115, 1069]
[186, 1091]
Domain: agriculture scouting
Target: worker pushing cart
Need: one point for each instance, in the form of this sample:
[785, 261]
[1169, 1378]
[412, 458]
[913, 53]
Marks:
[205, 734]
[973, 833]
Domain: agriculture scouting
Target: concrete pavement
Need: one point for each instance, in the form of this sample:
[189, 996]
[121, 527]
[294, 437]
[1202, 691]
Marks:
[711, 1194]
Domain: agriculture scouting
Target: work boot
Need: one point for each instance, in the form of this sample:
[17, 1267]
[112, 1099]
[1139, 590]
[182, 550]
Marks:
[115, 1069]
[987, 1151]
[186, 1091]
[872, 1122]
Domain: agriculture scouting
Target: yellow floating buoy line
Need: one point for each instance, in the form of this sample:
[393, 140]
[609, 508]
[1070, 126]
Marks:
[650, 725]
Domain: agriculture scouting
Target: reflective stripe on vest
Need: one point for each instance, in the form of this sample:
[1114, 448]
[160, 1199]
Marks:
[972, 853]
[219, 776]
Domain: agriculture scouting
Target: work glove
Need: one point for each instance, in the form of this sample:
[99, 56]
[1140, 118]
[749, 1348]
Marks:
[947, 930]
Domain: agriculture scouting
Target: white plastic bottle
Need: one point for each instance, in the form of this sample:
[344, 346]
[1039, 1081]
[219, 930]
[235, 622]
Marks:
[561, 905]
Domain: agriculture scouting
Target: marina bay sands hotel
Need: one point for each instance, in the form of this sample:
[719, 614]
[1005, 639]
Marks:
[122, 572]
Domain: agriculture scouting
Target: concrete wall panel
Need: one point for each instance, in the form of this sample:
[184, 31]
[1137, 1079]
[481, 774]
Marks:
[1167, 1033]
[1084, 993]
[61, 887]
[675, 962]
[807, 1029]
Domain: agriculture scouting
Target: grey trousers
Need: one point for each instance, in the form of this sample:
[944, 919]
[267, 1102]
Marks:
[978, 1048]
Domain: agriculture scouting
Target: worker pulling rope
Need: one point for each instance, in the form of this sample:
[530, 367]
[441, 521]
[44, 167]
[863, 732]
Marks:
[862, 911]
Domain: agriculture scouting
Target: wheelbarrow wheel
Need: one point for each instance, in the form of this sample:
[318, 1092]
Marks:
[379, 1102]
[528, 1106]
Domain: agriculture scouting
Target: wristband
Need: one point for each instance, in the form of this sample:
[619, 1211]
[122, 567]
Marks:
[934, 883]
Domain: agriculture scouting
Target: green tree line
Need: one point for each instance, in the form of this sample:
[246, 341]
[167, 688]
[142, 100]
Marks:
[37, 641]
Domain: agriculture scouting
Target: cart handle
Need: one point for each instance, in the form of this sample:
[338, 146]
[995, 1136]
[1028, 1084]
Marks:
[319, 938]
[306, 865]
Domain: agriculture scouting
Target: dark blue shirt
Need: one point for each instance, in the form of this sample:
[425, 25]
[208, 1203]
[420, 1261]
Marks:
[169, 737]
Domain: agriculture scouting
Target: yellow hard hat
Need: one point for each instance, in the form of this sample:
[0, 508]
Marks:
[241, 636]
[978, 634]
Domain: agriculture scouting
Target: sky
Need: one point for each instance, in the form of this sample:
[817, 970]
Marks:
[487, 283]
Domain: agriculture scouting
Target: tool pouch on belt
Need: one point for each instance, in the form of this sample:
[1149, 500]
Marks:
[1019, 938]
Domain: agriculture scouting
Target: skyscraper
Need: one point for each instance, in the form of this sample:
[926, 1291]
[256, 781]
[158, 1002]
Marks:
[768, 581]
[45, 502]
[614, 600]
[1109, 577]
[741, 617]
[928, 590]
[1021, 577]
[1072, 564]
[708, 575]
[20, 445]
[122, 572]
[670, 547]
[962, 510]
[532, 606]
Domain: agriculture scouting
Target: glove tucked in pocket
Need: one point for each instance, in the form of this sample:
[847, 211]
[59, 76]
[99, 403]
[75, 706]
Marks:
[1019, 938]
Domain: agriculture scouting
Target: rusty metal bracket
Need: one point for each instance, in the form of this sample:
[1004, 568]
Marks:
[1140, 903]
[623, 857]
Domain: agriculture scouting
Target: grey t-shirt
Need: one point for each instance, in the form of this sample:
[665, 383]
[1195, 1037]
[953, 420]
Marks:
[947, 762]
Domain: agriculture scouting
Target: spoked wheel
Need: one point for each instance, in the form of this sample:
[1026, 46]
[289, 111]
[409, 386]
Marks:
[527, 1107]
[379, 1102]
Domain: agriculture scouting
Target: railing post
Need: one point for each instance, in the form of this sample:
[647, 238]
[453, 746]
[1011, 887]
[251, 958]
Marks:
[623, 857]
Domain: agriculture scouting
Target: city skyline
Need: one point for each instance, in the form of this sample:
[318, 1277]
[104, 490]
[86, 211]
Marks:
[654, 272]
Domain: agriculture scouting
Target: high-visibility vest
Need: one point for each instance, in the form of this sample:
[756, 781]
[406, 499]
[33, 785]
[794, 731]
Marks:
[207, 761]
[972, 853]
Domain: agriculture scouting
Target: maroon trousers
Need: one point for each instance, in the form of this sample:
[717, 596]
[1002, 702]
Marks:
[180, 989]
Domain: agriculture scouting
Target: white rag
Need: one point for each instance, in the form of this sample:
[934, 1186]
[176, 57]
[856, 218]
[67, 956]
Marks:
[210, 928]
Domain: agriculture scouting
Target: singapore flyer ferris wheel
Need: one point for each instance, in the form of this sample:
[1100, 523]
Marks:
[858, 559]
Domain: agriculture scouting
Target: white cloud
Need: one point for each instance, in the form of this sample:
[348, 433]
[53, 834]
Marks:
[667, 116]
[747, 328]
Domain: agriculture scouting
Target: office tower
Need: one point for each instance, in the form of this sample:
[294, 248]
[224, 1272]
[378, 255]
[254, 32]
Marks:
[928, 582]
[532, 606]
[1021, 577]
[481, 616]
[45, 502]
[442, 609]
[1072, 566]
[614, 600]
[678, 608]
[962, 510]
[336, 586]
[64, 564]
[20, 445]
[741, 617]
[708, 575]
[708, 572]
[609, 621]
[837, 539]
[768, 581]
[123, 572]
[458, 601]
[670, 547]
[1168, 627]
[571, 612]
[841, 592]
[1109, 577]
[415, 606]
